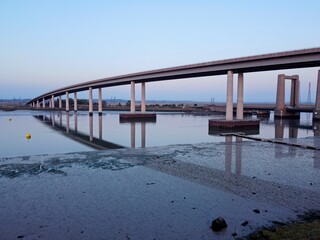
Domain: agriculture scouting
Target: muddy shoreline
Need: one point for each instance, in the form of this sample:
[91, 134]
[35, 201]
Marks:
[171, 192]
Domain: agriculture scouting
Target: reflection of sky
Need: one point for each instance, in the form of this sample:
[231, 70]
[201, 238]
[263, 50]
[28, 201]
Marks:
[168, 129]
[43, 139]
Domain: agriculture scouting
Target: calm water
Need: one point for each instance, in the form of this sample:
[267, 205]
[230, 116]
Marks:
[58, 132]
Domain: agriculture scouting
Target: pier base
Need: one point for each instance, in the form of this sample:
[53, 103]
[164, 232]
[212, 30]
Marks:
[138, 117]
[285, 114]
[246, 126]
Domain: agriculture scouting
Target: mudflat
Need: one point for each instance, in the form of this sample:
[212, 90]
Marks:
[171, 192]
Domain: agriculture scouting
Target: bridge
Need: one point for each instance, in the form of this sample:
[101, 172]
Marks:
[275, 61]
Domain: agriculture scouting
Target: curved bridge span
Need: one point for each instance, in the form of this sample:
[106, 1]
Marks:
[276, 61]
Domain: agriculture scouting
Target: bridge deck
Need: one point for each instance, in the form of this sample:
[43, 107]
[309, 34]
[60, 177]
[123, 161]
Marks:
[266, 62]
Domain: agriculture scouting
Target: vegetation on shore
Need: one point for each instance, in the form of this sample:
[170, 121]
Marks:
[308, 227]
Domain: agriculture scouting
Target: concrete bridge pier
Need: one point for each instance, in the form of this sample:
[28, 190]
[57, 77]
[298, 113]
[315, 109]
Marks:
[229, 106]
[67, 102]
[316, 112]
[100, 102]
[90, 102]
[60, 102]
[230, 124]
[280, 111]
[52, 101]
[75, 102]
[142, 116]
[38, 104]
[133, 98]
[143, 97]
[43, 103]
[240, 97]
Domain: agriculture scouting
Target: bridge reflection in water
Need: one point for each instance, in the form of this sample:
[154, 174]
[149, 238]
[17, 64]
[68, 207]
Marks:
[55, 121]
[88, 139]
[234, 157]
[81, 137]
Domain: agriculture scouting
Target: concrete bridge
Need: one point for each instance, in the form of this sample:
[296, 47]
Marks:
[276, 61]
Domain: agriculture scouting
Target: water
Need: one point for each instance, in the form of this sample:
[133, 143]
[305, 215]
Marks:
[59, 132]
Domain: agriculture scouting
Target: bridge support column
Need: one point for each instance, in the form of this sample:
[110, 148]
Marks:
[33, 104]
[316, 112]
[143, 97]
[138, 117]
[133, 98]
[60, 102]
[75, 102]
[229, 105]
[240, 97]
[43, 103]
[90, 102]
[100, 102]
[67, 102]
[295, 91]
[38, 104]
[280, 111]
[52, 101]
[247, 126]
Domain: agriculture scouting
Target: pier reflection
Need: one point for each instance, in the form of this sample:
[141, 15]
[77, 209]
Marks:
[293, 128]
[134, 122]
[63, 125]
[133, 134]
[74, 134]
[281, 150]
[228, 155]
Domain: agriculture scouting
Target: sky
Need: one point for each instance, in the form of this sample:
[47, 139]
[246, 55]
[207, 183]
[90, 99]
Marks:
[45, 44]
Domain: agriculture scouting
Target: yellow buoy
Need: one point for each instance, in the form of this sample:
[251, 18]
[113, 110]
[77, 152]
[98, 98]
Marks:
[28, 136]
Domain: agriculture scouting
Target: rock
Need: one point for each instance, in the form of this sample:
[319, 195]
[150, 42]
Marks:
[245, 223]
[218, 224]
[256, 210]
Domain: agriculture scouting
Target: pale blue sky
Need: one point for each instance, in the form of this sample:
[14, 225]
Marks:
[47, 44]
